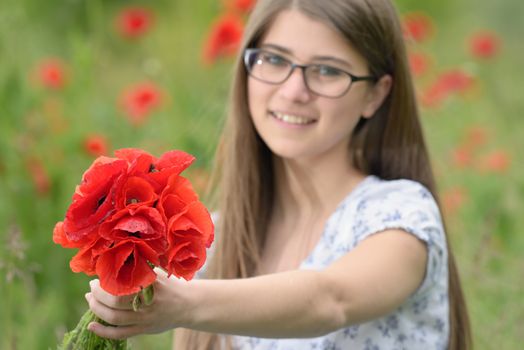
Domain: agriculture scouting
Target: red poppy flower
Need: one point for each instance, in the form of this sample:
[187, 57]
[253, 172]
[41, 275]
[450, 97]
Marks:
[133, 22]
[51, 73]
[452, 81]
[434, 95]
[142, 223]
[242, 6]
[93, 198]
[198, 215]
[60, 237]
[137, 239]
[87, 257]
[180, 206]
[124, 268]
[139, 162]
[456, 80]
[462, 157]
[475, 136]
[189, 235]
[96, 145]
[131, 213]
[453, 199]
[497, 161]
[418, 26]
[156, 171]
[139, 100]
[190, 229]
[484, 44]
[224, 38]
[39, 175]
[90, 246]
[187, 256]
[170, 163]
[419, 63]
[175, 198]
[135, 192]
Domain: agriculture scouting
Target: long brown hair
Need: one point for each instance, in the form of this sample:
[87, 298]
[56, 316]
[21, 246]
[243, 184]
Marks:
[389, 145]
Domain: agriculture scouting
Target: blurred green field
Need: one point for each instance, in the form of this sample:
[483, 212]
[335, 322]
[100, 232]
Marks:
[473, 131]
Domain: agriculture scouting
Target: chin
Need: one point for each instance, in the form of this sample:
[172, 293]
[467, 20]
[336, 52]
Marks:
[290, 152]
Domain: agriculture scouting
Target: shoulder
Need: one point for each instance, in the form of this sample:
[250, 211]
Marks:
[396, 197]
[406, 205]
[380, 189]
[398, 204]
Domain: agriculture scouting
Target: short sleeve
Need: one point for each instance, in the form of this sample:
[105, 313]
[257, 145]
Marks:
[408, 206]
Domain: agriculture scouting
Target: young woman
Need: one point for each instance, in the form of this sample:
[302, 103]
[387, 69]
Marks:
[329, 232]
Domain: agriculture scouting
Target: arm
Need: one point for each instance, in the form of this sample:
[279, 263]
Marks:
[370, 281]
[177, 344]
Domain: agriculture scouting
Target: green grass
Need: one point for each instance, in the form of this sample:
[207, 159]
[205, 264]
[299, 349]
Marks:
[40, 297]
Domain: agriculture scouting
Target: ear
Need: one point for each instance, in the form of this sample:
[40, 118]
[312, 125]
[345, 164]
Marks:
[377, 95]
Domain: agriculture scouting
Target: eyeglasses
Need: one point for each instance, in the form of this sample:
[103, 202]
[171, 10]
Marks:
[322, 80]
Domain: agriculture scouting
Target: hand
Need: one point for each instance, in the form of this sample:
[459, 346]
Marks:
[163, 314]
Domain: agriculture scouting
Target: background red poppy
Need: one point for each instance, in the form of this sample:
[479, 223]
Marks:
[134, 22]
[45, 119]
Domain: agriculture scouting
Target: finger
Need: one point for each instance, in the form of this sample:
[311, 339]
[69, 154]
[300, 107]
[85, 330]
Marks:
[161, 278]
[160, 272]
[110, 332]
[115, 317]
[123, 302]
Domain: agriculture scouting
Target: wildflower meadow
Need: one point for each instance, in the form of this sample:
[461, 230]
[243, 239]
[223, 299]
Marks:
[80, 79]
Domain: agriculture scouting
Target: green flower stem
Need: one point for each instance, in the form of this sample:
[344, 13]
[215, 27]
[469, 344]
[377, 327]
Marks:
[145, 296]
[82, 339]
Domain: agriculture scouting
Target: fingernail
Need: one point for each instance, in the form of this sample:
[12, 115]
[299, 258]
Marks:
[90, 326]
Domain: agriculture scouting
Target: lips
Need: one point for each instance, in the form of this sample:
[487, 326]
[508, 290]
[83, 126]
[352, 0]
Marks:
[292, 118]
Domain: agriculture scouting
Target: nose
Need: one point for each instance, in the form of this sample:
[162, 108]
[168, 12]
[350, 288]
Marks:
[295, 88]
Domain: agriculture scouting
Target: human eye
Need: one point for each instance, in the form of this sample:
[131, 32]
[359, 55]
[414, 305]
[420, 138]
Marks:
[328, 71]
[274, 59]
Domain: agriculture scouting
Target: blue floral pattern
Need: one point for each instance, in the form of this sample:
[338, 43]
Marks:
[374, 206]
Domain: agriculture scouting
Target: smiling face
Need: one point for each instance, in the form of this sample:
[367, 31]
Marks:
[294, 122]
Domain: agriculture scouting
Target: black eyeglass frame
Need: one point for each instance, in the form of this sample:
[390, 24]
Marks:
[353, 78]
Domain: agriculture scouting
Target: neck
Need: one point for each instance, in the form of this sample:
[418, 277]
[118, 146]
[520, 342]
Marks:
[306, 188]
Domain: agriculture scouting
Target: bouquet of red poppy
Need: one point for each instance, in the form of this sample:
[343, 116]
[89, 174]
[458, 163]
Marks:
[129, 214]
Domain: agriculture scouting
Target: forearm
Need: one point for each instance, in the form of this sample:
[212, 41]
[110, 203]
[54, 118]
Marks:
[371, 281]
[284, 305]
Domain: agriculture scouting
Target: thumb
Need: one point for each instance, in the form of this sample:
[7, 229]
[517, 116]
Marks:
[160, 272]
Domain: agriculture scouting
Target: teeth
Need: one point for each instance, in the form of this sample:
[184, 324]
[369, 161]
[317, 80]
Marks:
[292, 119]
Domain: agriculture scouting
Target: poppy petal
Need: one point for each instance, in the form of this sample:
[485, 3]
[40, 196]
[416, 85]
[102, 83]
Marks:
[122, 271]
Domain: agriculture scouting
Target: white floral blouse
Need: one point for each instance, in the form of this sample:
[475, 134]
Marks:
[422, 321]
